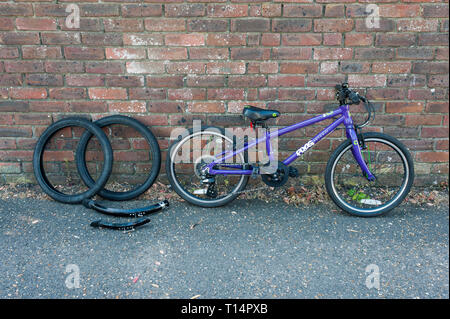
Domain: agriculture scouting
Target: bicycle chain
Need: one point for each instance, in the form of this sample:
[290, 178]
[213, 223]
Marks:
[251, 190]
[241, 192]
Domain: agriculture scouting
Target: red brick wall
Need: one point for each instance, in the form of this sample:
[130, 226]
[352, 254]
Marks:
[168, 62]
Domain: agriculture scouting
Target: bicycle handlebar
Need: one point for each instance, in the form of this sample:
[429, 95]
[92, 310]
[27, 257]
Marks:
[346, 96]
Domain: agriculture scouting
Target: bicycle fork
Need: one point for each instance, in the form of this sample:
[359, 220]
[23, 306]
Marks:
[356, 149]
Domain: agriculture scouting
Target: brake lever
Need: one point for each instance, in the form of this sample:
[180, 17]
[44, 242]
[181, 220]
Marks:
[369, 108]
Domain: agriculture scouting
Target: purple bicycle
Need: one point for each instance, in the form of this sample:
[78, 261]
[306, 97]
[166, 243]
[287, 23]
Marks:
[367, 175]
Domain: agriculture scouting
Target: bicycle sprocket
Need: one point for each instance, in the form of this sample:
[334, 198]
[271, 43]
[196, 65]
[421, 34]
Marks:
[277, 179]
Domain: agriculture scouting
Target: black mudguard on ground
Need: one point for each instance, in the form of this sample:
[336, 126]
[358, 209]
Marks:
[120, 226]
[135, 212]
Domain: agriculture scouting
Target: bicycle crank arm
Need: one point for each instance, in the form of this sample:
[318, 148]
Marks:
[135, 212]
[120, 226]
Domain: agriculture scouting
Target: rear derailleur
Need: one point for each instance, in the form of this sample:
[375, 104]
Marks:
[210, 181]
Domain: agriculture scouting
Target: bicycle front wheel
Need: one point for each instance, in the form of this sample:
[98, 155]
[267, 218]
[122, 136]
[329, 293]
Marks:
[387, 158]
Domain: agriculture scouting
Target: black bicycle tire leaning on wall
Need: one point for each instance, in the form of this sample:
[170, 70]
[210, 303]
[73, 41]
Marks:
[38, 166]
[155, 154]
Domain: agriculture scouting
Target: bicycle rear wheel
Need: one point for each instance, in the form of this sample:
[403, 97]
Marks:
[185, 160]
[390, 162]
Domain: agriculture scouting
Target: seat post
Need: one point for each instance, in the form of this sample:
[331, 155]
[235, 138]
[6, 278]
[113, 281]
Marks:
[261, 123]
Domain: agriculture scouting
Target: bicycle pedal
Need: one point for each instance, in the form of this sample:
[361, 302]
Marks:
[293, 172]
[255, 172]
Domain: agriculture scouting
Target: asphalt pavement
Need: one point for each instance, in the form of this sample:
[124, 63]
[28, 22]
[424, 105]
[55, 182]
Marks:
[248, 249]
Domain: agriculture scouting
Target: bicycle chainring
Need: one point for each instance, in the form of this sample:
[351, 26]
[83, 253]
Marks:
[277, 179]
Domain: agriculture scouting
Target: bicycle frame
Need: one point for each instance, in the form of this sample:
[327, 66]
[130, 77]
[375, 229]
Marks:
[344, 118]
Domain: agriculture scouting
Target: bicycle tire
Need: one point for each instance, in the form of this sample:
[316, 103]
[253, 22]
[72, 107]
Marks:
[38, 167]
[376, 212]
[154, 152]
